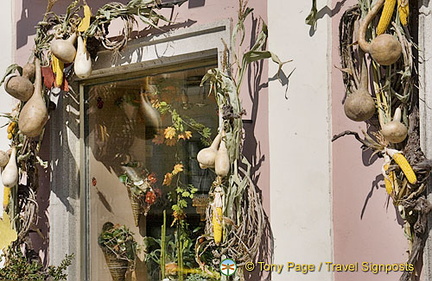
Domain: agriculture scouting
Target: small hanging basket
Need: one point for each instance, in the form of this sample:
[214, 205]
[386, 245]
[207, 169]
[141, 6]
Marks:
[136, 204]
[116, 266]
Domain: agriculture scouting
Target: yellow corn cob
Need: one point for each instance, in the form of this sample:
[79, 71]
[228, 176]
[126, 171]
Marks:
[403, 164]
[217, 225]
[85, 22]
[388, 179]
[57, 67]
[403, 11]
[217, 215]
[6, 196]
[386, 16]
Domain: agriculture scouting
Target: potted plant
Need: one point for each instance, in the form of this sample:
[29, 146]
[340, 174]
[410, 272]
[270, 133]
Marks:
[119, 247]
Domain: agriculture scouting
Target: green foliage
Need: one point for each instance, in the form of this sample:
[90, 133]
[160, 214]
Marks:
[182, 194]
[119, 240]
[183, 122]
[19, 268]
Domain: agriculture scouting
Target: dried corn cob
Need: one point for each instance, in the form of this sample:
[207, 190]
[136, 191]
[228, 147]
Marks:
[403, 11]
[402, 162]
[57, 67]
[386, 15]
[389, 176]
[6, 196]
[217, 216]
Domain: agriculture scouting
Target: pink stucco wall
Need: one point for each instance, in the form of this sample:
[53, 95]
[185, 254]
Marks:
[366, 227]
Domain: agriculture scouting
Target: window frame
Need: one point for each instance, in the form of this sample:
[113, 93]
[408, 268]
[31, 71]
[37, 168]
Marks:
[195, 46]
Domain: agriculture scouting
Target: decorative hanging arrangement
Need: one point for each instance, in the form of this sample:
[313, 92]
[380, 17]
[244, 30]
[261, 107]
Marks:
[46, 74]
[235, 219]
[375, 43]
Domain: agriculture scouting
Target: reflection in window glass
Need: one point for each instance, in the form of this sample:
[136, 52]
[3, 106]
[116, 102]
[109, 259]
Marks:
[143, 137]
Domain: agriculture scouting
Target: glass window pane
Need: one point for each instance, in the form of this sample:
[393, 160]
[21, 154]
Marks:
[131, 150]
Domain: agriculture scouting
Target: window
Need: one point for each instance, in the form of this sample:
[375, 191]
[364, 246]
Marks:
[125, 149]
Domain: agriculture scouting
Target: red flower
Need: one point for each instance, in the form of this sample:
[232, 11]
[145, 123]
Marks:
[150, 197]
[152, 178]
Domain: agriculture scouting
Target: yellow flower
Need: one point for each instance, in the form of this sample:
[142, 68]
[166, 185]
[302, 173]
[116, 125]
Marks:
[167, 179]
[185, 136]
[177, 169]
[170, 132]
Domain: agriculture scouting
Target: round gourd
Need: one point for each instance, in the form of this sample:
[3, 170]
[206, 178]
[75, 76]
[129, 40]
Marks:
[19, 87]
[385, 49]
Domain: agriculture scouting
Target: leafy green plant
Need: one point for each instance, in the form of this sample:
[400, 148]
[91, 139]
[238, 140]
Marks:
[118, 240]
[19, 268]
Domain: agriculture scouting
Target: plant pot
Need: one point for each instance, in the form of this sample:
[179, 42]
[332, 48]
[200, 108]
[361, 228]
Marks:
[116, 266]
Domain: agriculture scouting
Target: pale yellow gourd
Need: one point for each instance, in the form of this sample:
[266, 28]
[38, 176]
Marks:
[222, 163]
[206, 157]
[34, 113]
[385, 49]
[359, 105]
[10, 172]
[20, 87]
[394, 131]
[82, 63]
[29, 71]
[64, 50]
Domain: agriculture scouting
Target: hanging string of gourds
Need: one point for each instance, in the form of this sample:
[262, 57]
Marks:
[380, 49]
[61, 41]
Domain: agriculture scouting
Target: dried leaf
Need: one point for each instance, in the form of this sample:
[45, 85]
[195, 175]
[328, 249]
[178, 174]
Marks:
[311, 19]
[7, 234]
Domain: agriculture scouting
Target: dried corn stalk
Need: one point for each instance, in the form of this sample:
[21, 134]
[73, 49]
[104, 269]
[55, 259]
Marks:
[406, 173]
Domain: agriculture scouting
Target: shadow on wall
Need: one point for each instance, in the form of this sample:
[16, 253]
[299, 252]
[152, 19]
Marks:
[327, 11]
[253, 152]
[32, 11]
[196, 3]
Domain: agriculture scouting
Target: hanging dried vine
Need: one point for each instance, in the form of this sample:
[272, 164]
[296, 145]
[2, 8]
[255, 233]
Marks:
[393, 89]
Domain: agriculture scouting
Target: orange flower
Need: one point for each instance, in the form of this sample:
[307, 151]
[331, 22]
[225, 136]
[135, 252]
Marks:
[167, 179]
[159, 138]
[185, 136]
[170, 132]
[177, 169]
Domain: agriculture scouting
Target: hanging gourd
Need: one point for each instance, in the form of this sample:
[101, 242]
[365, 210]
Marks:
[64, 50]
[206, 157]
[385, 49]
[83, 63]
[222, 163]
[394, 131]
[21, 87]
[359, 105]
[34, 113]
[151, 116]
[10, 172]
